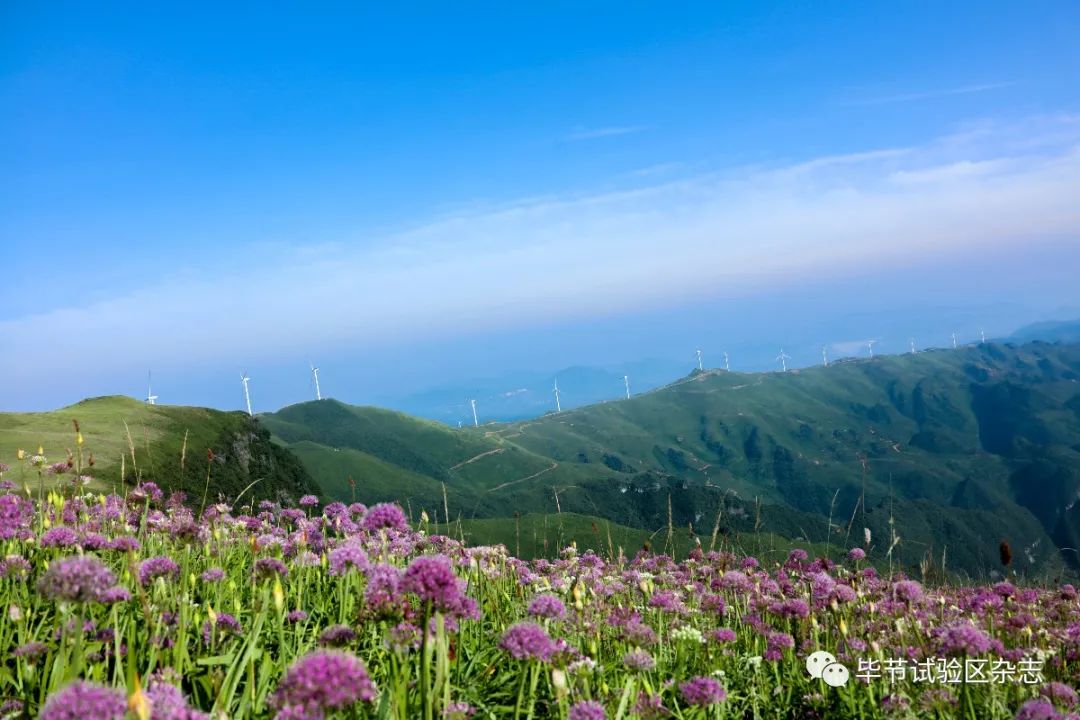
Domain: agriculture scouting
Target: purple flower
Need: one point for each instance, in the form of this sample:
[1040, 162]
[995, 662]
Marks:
[124, 543]
[909, 591]
[1039, 709]
[722, 635]
[85, 701]
[167, 703]
[458, 711]
[650, 706]
[856, 554]
[703, 691]
[155, 567]
[587, 710]
[384, 515]
[323, 680]
[225, 624]
[381, 596]
[1061, 693]
[60, 536]
[78, 578]
[403, 637]
[547, 606]
[309, 500]
[337, 635]
[295, 616]
[15, 566]
[639, 660]
[213, 575]
[432, 578]
[268, 567]
[963, 639]
[347, 558]
[31, 651]
[735, 580]
[527, 641]
[115, 594]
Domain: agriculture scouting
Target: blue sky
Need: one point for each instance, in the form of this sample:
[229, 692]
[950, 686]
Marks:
[414, 194]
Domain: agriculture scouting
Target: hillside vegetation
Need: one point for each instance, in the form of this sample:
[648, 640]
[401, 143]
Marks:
[940, 455]
[129, 440]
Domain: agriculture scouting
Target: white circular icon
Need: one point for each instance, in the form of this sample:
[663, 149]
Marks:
[835, 675]
[817, 662]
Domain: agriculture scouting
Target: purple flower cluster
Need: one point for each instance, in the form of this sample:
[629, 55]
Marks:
[320, 681]
[347, 558]
[155, 567]
[78, 578]
[527, 641]
[702, 691]
[547, 606]
[85, 701]
[167, 702]
[385, 515]
[587, 710]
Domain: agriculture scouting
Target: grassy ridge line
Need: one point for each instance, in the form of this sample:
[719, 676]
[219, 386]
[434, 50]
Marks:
[171, 445]
[937, 441]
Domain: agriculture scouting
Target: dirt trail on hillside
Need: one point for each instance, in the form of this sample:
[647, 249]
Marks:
[534, 475]
[474, 459]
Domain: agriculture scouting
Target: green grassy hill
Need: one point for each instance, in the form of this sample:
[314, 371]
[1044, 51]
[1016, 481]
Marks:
[163, 443]
[948, 451]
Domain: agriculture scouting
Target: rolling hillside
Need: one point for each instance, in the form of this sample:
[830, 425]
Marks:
[959, 449]
[163, 443]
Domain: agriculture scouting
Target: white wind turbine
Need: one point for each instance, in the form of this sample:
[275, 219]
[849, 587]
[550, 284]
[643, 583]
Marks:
[824, 356]
[954, 341]
[727, 365]
[626, 382]
[699, 366]
[247, 395]
[783, 357]
[870, 345]
[475, 419]
[912, 343]
[982, 334]
[151, 398]
[315, 376]
[558, 405]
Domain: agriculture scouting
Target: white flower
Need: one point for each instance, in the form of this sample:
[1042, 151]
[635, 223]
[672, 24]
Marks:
[688, 633]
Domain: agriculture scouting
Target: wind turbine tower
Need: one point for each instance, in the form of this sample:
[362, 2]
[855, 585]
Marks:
[824, 356]
[247, 395]
[954, 341]
[727, 365]
[699, 366]
[783, 357]
[151, 398]
[870, 344]
[626, 382]
[475, 420]
[912, 343]
[558, 405]
[982, 334]
[315, 376]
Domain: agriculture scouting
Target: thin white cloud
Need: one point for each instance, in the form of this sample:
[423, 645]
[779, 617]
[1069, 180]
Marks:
[547, 260]
[930, 94]
[594, 133]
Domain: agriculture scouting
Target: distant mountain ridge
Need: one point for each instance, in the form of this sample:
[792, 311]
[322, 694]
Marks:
[962, 448]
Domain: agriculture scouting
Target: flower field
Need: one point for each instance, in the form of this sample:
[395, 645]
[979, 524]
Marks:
[144, 606]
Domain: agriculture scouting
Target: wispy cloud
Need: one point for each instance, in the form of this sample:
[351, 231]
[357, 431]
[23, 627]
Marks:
[553, 259]
[929, 94]
[594, 133]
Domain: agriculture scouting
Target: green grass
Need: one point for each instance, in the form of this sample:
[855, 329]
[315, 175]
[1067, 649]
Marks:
[130, 440]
